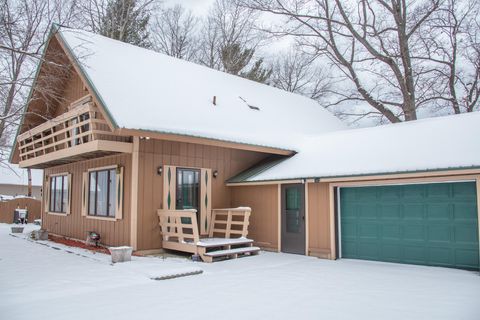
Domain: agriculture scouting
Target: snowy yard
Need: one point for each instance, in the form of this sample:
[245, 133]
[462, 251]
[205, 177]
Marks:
[41, 282]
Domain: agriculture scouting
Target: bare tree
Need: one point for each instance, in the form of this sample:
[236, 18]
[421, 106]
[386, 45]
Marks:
[451, 46]
[175, 33]
[24, 29]
[376, 46]
[229, 40]
[297, 72]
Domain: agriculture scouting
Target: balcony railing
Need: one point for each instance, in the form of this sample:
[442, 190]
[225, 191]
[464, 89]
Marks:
[82, 129]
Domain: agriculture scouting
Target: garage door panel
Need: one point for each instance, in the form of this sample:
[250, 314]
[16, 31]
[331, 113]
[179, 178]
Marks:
[414, 193]
[349, 248]
[414, 254]
[465, 258]
[350, 230]
[369, 250]
[438, 190]
[465, 234]
[364, 194]
[413, 211]
[464, 211]
[367, 230]
[391, 232]
[389, 211]
[466, 191]
[440, 255]
[429, 224]
[389, 194]
[414, 233]
[440, 233]
[438, 211]
[366, 211]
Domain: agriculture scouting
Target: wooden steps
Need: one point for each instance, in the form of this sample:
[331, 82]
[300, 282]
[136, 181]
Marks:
[221, 242]
[220, 253]
[229, 253]
[227, 237]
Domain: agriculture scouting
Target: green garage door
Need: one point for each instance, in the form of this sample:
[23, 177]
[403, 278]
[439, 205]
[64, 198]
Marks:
[430, 224]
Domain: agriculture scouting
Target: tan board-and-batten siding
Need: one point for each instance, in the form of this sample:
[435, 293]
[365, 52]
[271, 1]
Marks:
[264, 220]
[319, 220]
[74, 225]
[157, 153]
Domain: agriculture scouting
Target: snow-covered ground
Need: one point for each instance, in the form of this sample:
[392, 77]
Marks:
[50, 281]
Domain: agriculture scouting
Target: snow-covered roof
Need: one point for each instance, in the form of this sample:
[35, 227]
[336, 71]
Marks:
[449, 142]
[17, 176]
[143, 89]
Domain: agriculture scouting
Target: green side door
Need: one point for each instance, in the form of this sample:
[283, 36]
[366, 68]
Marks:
[428, 224]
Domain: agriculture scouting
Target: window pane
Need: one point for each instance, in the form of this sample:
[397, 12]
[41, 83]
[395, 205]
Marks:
[102, 193]
[91, 195]
[58, 194]
[65, 194]
[188, 189]
[52, 194]
[112, 194]
[293, 198]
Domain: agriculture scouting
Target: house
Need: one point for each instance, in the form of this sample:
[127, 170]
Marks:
[136, 131]
[14, 183]
[14, 193]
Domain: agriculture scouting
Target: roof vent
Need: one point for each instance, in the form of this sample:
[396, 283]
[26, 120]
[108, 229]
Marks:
[214, 100]
[249, 105]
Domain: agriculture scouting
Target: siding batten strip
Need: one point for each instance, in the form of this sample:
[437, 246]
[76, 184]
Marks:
[134, 193]
[279, 225]
[306, 220]
[333, 231]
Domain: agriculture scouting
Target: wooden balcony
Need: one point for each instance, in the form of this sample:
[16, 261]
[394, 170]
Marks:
[81, 133]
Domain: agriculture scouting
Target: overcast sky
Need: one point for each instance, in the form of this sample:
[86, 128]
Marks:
[199, 7]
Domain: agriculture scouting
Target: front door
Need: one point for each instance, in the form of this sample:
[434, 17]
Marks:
[293, 218]
[188, 191]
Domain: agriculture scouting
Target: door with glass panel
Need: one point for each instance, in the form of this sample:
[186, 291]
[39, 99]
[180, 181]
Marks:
[188, 189]
[293, 218]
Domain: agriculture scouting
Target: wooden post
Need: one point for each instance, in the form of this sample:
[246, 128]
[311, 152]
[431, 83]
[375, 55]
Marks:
[134, 193]
[29, 173]
[333, 231]
[306, 219]
[279, 225]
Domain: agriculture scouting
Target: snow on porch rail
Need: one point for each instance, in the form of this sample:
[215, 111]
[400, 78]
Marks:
[82, 124]
[179, 228]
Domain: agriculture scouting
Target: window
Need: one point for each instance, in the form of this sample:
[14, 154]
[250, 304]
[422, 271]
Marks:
[101, 193]
[188, 189]
[58, 194]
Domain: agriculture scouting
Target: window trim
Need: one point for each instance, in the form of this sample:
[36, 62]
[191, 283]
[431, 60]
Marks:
[118, 216]
[109, 205]
[49, 194]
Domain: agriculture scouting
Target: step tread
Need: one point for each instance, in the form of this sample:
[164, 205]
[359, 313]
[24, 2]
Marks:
[218, 242]
[232, 251]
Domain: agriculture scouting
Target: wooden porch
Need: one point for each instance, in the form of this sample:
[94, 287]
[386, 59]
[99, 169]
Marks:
[81, 133]
[226, 235]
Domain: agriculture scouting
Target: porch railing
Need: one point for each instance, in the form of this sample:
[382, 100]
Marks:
[83, 123]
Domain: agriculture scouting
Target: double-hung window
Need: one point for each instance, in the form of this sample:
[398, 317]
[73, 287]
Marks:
[58, 193]
[101, 193]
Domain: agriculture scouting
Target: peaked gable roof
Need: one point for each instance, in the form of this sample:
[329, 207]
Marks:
[442, 143]
[146, 90]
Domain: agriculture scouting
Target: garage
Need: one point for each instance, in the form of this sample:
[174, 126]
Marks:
[434, 224]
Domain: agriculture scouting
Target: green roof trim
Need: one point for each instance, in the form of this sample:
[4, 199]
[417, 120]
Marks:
[352, 175]
[257, 169]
